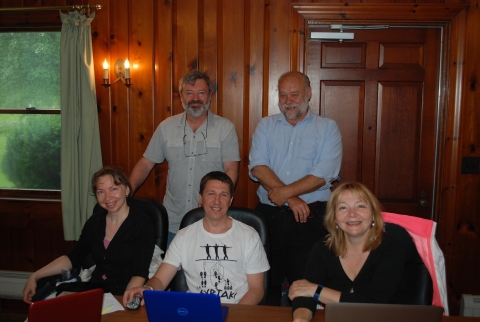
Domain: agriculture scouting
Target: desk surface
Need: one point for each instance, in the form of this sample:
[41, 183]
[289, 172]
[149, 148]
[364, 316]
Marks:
[242, 313]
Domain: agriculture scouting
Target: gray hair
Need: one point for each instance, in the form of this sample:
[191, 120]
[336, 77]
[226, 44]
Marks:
[191, 78]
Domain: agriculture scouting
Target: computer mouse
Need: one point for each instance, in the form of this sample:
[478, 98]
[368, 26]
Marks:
[135, 303]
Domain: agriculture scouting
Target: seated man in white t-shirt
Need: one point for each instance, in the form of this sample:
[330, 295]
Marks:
[218, 254]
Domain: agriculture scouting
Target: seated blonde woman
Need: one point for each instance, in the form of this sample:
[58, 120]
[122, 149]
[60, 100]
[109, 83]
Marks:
[358, 262]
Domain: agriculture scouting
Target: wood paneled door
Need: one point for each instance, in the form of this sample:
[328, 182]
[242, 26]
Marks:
[382, 90]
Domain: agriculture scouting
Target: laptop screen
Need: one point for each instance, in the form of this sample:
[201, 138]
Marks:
[180, 306]
[364, 312]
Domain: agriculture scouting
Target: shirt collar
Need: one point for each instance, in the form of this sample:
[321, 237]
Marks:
[210, 117]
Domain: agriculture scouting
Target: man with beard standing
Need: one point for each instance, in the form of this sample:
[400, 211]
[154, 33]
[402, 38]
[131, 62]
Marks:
[194, 143]
[295, 155]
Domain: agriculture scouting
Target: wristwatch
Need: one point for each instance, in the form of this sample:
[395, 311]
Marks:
[316, 296]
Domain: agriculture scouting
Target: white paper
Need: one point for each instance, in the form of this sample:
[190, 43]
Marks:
[110, 304]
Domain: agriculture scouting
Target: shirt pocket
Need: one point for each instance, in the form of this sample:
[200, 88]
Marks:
[307, 148]
[214, 151]
[174, 150]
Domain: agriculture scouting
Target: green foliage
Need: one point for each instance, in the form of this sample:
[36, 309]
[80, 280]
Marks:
[32, 153]
[30, 77]
[30, 65]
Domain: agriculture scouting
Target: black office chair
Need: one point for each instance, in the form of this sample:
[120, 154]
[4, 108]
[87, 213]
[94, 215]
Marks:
[416, 280]
[247, 216]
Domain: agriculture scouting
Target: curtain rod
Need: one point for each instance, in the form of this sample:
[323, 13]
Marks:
[75, 6]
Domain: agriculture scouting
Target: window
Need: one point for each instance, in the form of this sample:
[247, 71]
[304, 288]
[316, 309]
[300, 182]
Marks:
[30, 121]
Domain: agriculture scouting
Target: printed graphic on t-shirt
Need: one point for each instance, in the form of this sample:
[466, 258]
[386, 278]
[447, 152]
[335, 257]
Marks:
[213, 279]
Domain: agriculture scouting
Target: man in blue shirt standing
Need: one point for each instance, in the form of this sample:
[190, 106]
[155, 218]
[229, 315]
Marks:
[295, 155]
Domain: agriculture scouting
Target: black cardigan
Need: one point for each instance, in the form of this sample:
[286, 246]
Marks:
[128, 254]
[377, 282]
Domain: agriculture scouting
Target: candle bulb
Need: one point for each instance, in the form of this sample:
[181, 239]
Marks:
[127, 69]
[105, 69]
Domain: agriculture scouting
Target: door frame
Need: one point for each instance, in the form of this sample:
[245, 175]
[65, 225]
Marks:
[452, 18]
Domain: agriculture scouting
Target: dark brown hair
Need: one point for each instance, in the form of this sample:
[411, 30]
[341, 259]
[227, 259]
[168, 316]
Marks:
[118, 176]
[220, 176]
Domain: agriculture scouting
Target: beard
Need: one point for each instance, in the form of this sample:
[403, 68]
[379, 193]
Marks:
[195, 111]
[301, 108]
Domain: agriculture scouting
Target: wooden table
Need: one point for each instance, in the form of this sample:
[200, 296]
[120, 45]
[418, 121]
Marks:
[245, 313]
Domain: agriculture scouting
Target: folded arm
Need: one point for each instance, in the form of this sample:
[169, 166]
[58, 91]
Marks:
[279, 193]
[51, 269]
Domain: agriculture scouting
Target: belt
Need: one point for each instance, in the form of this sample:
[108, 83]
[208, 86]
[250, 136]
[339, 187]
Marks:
[310, 205]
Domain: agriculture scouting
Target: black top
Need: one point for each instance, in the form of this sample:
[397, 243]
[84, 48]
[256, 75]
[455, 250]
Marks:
[128, 254]
[377, 282]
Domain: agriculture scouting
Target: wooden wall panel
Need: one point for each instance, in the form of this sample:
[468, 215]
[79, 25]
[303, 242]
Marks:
[254, 89]
[162, 84]
[232, 76]
[185, 44]
[140, 108]
[120, 24]
[460, 217]
[209, 51]
[100, 44]
[278, 55]
[31, 234]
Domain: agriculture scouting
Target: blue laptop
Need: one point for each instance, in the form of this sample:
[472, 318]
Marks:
[181, 306]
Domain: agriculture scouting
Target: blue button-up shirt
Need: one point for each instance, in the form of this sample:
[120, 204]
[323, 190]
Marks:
[312, 147]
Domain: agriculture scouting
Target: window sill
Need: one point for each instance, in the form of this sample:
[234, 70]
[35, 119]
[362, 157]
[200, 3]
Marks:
[30, 195]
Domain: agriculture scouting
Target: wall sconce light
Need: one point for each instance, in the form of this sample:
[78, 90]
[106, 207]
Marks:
[122, 72]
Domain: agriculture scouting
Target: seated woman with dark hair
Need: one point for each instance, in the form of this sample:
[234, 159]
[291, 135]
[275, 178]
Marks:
[119, 238]
[358, 262]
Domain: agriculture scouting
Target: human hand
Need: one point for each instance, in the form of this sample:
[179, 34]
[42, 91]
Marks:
[300, 209]
[29, 289]
[278, 195]
[302, 288]
[300, 320]
[130, 293]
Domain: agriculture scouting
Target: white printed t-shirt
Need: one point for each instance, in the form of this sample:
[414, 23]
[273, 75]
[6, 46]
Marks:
[218, 263]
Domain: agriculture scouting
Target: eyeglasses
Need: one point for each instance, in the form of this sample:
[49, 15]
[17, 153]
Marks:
[205, 150]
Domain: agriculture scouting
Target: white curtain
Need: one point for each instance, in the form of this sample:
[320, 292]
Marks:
[80, 145]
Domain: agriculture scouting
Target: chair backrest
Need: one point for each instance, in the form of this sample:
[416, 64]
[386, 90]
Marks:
[157, 213]
[416, 279]
[247, 216]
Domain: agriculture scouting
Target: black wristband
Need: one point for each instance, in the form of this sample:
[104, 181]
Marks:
[316, 296]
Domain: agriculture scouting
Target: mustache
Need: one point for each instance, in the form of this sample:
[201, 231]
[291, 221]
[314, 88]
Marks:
[289, 105]
[193, 102]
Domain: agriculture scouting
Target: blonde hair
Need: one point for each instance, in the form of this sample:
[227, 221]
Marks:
[336, 238]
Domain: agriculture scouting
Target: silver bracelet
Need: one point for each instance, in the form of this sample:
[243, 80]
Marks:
[145, 286]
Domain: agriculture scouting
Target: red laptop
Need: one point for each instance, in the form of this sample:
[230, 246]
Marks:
[77, 307]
